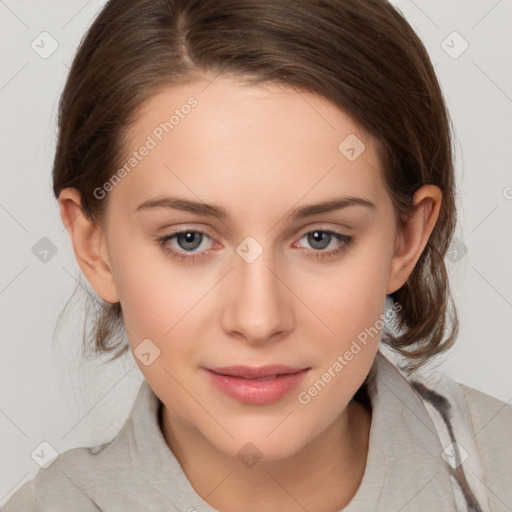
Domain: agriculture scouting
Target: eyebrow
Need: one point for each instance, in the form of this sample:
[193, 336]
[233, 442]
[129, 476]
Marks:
[212, 210]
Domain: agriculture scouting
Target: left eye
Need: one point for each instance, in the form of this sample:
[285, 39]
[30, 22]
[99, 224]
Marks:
[320, 239]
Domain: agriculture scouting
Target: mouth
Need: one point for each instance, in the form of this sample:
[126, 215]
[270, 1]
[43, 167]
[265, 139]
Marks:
[256, 372]
[256, 385]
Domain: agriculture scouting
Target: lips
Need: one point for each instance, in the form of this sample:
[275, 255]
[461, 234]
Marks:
[257, 373]
[256, 385]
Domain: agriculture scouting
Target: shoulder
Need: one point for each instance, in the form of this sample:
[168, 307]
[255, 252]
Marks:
[92, 479]
[488, 411]
[492, 426]
[57, 487]
[492, 423]
[22, 499]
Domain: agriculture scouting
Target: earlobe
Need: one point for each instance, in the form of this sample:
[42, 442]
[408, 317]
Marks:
[89, 245]
[413, 235]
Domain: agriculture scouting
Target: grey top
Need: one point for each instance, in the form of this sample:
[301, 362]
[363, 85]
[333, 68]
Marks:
[404, 471]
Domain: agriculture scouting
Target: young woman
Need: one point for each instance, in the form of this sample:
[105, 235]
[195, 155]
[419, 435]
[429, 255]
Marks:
[262, 195]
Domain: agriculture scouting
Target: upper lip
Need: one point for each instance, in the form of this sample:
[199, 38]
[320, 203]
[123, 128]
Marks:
[255, 372]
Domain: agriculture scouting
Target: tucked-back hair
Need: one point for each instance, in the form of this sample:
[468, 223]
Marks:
[362, 55]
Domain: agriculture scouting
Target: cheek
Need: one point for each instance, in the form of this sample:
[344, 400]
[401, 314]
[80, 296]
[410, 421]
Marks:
[148, 302]
[350, 302]
[169, 305]
[349, 296]
[153, 293]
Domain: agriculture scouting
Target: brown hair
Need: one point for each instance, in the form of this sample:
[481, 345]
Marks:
[361, 55]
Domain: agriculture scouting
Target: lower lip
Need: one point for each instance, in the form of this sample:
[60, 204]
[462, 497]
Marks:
[257, 391]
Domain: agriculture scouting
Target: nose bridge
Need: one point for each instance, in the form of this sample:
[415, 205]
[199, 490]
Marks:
[258, 308]
[255, 273]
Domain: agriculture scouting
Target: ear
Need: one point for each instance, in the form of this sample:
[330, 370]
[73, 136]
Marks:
[89, 244]
[413, 235]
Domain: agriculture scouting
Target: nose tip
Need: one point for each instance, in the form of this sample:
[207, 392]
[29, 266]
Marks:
[264, 337]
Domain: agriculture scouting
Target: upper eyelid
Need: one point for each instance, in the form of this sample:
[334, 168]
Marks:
[206, 232]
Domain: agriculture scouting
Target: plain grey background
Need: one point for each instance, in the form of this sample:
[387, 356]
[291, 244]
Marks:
[50, 394]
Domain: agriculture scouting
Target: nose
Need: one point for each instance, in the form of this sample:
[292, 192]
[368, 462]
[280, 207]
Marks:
[259, 308]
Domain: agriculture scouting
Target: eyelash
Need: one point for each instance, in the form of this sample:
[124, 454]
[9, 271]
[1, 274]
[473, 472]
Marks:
[346, 241]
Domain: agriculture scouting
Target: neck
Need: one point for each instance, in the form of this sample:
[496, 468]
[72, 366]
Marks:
[322, 477]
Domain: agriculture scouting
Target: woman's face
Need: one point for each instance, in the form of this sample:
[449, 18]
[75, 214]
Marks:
[274, 280]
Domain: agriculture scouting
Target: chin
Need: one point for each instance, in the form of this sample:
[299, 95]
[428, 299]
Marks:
[258, 445]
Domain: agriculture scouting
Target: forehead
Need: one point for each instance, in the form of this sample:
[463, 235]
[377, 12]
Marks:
[221, 138]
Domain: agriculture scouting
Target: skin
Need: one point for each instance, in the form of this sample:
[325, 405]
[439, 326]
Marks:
[257, 151]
